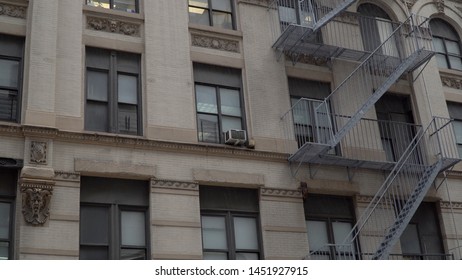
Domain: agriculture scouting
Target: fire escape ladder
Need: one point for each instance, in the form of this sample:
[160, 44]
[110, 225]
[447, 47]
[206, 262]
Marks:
[407, 211]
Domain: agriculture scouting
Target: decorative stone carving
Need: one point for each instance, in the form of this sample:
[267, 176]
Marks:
[215, 43]
[314, 60]
[67, 176]
[113, 26]
[13, 10]
[175, 184]
[11, 162]
[439, 5]
[409, 3]
[449, 205]
[347, 17]
[451, 82]
[36, 197]
[38, 152]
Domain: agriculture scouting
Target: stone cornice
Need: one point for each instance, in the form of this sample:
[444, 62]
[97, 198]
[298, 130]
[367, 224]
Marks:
[280, 192]
[126, 141]
[13, 10]
[262, 3]
[171, 184]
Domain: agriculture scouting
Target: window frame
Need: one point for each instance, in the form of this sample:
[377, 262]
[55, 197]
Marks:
[16, 118]
[229, 216]
[113, 92]
[115, 245]
[219, 113]
[111, 6]
[329, 219]
[444, 40]
[210, 11]
[9, 197]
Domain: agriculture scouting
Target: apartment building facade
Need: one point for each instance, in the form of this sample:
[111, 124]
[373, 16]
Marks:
[230, 129]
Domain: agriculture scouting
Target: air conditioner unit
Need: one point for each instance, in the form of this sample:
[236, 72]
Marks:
[235, 137]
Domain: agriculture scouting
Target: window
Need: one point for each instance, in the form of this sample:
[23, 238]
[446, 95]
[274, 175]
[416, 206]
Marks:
[446, 42]
[218, 13]
[11, 60]
[229, 218]
[422, 237]
[455, 112]
[130, 6]
[396, 124]
[329, 220]
[376, 28]
[8, 181]
[305, 97]
[218, 101]
[113, 219]
[113, 92]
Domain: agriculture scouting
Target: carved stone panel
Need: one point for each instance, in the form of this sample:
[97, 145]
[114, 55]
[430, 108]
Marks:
[113, 26]
[439, 5]
[13, 10]
[215, 43]
[38, 152]
[36, 197]
[451, 82]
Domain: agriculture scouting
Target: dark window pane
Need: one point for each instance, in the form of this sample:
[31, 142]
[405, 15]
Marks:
[216, 198]
[97, 85]
[410, 240]
[94, 253]
[215, 256]
[222, 5]
[246, 256]
[442, 62]
[99, 3]
[125, 5]
[128, 89]
[9, 70]
[128, 119]
[453, 47]
[96, 116]
[4, 248]
[456, 62]
[214, 232]
[133, 228]
[94, 225]
[317, 235]
[223, 20]
[199, 3]
[5, 220]
[8, 105]
[198, 15]
[438, 44]
[208, 128]
[206, 99]
[132, 254]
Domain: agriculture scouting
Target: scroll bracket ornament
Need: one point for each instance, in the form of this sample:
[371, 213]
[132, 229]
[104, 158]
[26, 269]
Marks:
[36, 198]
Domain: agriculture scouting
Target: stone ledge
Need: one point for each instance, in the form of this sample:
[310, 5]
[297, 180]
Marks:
[228, 178]
[114, 169]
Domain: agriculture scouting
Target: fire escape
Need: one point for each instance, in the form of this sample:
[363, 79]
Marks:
[342, 129]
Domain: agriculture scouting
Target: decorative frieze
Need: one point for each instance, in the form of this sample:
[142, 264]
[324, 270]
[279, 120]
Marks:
[281, 192]
[451, 82]
[313, 60]
[11, 162]
[450, 205]
[170, 184]
[11, 10]
[263, 3]
[215, 43]
[67, 176]
[36, 197]
[38, 152]
[113, 26]
[348, 18]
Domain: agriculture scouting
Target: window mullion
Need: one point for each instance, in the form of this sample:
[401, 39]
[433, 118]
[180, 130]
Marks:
[220, 119]
[113, 93]
[210, 8]
[231, 237]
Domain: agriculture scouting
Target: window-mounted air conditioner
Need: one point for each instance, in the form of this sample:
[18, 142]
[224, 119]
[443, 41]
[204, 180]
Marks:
[235, 137]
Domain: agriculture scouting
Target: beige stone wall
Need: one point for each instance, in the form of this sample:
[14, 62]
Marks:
[54, 96]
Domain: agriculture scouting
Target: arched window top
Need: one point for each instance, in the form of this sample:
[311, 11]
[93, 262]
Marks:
[447, 46]
[441, 28]
[372, 10]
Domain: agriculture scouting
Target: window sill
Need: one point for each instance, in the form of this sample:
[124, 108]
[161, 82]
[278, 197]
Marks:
[112, 12]
[450, 72]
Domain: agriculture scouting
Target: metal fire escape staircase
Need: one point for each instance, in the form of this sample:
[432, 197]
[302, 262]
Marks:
[407, 47]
